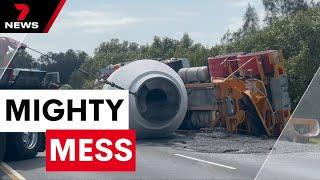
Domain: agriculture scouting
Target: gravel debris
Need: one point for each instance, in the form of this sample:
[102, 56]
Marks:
[219, 141]
[291, 147]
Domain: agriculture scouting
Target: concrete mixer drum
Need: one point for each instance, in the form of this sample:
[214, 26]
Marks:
[160, 102]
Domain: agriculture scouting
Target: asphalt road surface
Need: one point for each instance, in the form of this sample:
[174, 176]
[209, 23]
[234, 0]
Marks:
[157, 161]
[293, 166]
[160, 161]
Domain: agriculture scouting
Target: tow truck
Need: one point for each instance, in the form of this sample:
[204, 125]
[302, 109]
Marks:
[22, 145]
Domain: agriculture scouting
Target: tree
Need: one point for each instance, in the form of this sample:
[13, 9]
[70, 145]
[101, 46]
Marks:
[250, 24]
[294, 26]
[186, 41]
[227, 37]
[276, 9]
[250, 20]
[114, 52]
[64, 63]
[156, 48]
[315, 3]
[298, 36]
[22, 59]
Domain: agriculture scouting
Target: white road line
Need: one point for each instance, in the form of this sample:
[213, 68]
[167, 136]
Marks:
[13, 174]
[204, 161]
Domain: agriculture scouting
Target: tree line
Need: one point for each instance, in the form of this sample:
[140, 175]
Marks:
[291, 25]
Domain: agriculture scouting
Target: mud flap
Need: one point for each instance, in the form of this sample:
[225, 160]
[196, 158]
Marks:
[256, 126]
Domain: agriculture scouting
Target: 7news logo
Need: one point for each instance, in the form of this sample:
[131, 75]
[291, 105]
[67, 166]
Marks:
[21, 23]
[28, 16]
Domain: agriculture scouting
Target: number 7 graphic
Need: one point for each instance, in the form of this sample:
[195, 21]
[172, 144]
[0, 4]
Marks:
[24, 8]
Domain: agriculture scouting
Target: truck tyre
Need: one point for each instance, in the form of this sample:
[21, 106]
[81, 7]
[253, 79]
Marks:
[2, 145]
[42, 142]
[23, 145]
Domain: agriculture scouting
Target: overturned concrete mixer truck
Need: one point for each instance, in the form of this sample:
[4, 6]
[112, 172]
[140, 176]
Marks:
[240, 92]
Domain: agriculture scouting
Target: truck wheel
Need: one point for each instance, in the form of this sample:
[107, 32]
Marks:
[2, 145]
[23, 145]
[42, 142]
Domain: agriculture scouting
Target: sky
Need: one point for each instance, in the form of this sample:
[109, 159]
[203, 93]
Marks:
[84, 24]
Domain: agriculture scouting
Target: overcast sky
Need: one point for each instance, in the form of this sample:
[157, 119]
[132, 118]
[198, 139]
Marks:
[84, 24]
